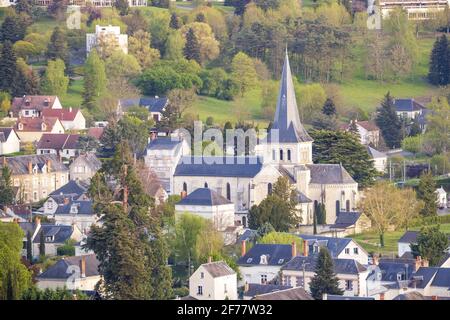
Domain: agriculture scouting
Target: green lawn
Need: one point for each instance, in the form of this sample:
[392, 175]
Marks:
[370, 240]
[73, 98]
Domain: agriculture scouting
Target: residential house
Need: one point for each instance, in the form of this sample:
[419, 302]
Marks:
[17, 212]
[55, 236]
[408, 108]
[445, 262]
[213, 281]
[84, 167]
[32, 129]
[339, 248]
[210, 205]
[9, 141]
[106, 37]
[96, 132]
[62, 144]
[36, 176]
[251, 290]
[157, 192]
[71, 118]
[105, 3]
[334, 297]
[368, 131]
[352, 222]
[74, 273]
[155, 105]
[74, 189]
[297, 293]
[76, 212]
[262, 263]
[431, 281]
[299, 272]
[441, 198]
[407, 239]
[415, 10]
[379, 159]
[32, 106]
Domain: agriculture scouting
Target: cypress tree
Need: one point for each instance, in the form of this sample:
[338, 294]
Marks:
[42, 244]
[94, 80]
[122, 6]
[389, 123]
[439, 71]
[13, 28]
[174, 21]
[325, 280]
[24, 6]
[329, 108]
[426, 191]
[8, 67]
[58, 47]
[192, 47]
[200, 17]
[29, 247]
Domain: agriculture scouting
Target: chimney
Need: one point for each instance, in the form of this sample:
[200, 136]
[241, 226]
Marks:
[209, 259]
[246, 286]
[83, 267]
[37, 220]
[425, 263]
[434, 297]
[243, 248]
[382, 296]
[30, 167]
[66, 200]
[325, 296]
[183, 194]
[418, 263]
[70, 109]
[305, 248]
[5, 162]
[152, 136]
[376, 260]
[49, 165]
[294, 249]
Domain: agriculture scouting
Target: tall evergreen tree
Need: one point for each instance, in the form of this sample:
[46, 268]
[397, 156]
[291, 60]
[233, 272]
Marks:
[200, 17]
[389, 123]
[42, 244]
[8, 67]
[13, 28]
[6, 188]
[24, 6]
[192, 47]
[122, 6]
[26, 81]
[29, 248]
[426, 191]
[94, 80]
[329, 108]
[58, 47]
[325, 280]
[175, 21]
[439, 72]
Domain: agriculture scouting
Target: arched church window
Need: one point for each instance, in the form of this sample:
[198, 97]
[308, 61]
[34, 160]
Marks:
[274, 155]
[289, 155]
[347, 205]
[281, 155]
[206, 184]
[184, 186]
[244, 222]
[269, 189]
[228, 191]
[338, 207]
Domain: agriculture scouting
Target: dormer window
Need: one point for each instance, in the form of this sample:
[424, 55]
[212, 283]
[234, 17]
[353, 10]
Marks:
[263, 259]
[20, 126]
[249, 260]
[49, 238]
[280, 261]
[74, 209]
[43, 126]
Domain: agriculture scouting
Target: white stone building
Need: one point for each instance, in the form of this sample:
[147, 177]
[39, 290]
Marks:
[441, 198]
[109, 35]
[213, 281]
[379, 159]
[9, 141]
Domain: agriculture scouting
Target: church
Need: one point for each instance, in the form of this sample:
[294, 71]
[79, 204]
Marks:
[285, 151]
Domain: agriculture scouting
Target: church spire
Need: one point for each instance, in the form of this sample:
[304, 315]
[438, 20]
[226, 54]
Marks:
[287, 120]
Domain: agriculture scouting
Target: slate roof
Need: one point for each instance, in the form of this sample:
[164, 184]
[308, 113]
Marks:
[204, 197]
[334, 245]
[342, 298]
[346, 219]
[302, 198]
[60, 233]
[153, 104]
[4, 133]
[407, 105]
[341, 266]
[329, 174]
[219, 166]
[297, 293]
[410, 296]
[287, 120]
[391, 269]
[218, 269]
[35, 124]
[444, 259]
[163, 144]
[247, 235]
[58, 141]
[255, 289]
[60, 269]
[71, 188]
[375, 154]
[277, 255]
[423, 276]
[442, 278]
[35, 102]
[409, 237]
[90, 159]
[62, 114]
[19, 164]
[83, 207]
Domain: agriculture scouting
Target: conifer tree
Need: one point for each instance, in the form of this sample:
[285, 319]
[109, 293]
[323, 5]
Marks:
[122, 6]
[42, 244]
[29, 247]
[426, 191]
[58, 47]
[439, 72]
[192, 47]
[94, 80]
[200, 17]
[389, 123]
[329, 108]
[325, 280]
[8, 67]
[174, 21]
[14, 28]
[24, 6]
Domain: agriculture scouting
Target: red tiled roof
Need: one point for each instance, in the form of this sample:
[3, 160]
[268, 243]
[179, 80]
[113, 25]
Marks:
[95, 132]
[32, 102]
[35, 124]
[58, 141]
[61, 114]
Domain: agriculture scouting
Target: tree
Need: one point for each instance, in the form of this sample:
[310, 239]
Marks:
[129, 244]
[389, 123]
[5, 103]
[6, 187]
[120, 64]
[94, 80]
[274, 237]
[438, 125]
[431, 244]
[14, 27]
[122, 6]
[15, 278]
[324, 280]
[439, 70]
[139, 46]
[29, 247]
[58, 47]
[8, 68]
[54, 81]
[388, 207]
[175, 22]
[175, 46]
[329, 108]
[320, 213]
[346, 149]
[243, 72]
[192, 47]
[42, 244]
[26, 81]
[412, 144]
[24, 6]
[426, 191]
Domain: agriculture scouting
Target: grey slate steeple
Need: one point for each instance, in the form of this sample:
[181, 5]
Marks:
[287, 120]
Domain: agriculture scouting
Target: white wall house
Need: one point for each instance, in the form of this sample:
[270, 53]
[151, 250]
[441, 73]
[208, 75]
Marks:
[32, 106]
[379, 159]
[84, 167]
[106, 34]
[441, 198]
[213, 281]
[71, 118]
[9, 141]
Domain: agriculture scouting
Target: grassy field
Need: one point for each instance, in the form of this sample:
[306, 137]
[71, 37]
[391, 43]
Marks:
[370, 240]
[73, 98]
